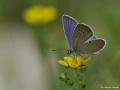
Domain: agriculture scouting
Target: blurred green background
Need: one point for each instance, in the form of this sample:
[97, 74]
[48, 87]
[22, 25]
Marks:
[26, 59]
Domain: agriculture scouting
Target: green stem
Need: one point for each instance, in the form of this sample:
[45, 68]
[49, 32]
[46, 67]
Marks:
[75, 78]
[80, 73]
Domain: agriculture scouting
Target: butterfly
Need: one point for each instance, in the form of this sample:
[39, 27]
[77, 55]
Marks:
[80, 37]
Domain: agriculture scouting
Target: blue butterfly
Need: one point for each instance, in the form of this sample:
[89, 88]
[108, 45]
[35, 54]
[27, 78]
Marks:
[80, 37]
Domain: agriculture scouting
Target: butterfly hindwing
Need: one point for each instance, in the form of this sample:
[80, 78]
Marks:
[69, 25]
[92, 46]
[81, 34]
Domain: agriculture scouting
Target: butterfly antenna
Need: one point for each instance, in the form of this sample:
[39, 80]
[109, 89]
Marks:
[53, 50]
[60, 50]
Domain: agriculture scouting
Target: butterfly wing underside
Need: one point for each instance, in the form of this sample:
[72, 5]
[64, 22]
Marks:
[69, 25]
[81, 34]
[92, 46]
[84, 41]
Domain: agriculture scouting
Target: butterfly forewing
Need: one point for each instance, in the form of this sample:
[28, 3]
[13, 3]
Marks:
[69, 25]
[81, 34]
[92, 46]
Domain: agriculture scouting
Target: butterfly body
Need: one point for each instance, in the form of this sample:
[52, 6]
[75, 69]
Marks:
[80, 37]
[73, 52]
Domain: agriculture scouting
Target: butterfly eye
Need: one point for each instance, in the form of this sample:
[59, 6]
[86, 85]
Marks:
[90, 41]
[69, 51]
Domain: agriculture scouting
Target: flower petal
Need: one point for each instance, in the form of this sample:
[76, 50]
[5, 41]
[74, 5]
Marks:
[63, 63]
[74, 61]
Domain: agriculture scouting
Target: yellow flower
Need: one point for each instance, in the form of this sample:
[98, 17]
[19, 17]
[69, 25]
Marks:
[74, 61]
[39, 14]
